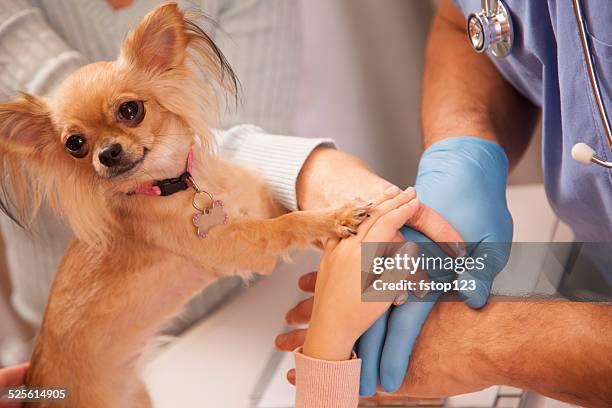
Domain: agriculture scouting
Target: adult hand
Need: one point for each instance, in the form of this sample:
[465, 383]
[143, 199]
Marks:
[464, 180]
[13, 377]
[331, 178]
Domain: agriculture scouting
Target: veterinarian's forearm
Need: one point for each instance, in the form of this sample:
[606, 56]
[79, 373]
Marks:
[331, 178]
[465, 95]
[564, 351]
[559, 349]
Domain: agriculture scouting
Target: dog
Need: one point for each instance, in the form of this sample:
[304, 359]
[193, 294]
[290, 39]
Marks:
[124, 151]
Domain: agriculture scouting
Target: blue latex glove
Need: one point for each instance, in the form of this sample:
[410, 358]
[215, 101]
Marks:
[464, 180]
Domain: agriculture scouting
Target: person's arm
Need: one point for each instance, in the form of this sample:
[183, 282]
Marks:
[559, 349]
[556, 348]
[475, 127]
[321, 383]
[33, 57]
[302, 173]
[279, 159]
[465, 95]
[261, 41]
[331, 177]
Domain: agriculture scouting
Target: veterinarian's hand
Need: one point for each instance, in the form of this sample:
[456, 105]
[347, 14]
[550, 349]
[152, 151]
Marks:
[13, 377]
[464, 180]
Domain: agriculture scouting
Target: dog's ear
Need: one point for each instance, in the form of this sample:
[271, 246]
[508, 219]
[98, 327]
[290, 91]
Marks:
[167, 37]
[25, 124]
[159, 42]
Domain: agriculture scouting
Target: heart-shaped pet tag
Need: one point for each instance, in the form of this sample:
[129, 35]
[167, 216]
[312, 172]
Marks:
[212, 216]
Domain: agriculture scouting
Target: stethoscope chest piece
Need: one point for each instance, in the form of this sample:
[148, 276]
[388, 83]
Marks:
[491, 29]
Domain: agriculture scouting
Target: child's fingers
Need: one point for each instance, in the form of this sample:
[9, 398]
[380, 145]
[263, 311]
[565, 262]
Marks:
[301, 313]
[291, 376]
[383, 208]
[385, 195]
[291, 340]
[386, 226]
[307, 282]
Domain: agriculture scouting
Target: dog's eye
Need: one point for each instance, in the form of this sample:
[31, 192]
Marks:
[131, 113]
[77, 146]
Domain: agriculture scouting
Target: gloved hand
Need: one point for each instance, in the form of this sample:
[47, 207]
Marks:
[464, 180]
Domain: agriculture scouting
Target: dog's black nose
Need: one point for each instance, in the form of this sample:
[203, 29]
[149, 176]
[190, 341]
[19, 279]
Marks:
[111, 155]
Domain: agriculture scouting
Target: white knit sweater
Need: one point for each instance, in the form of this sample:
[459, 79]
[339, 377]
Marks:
[42, 41]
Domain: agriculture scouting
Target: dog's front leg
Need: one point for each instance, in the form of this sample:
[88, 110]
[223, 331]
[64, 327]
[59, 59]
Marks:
[253, 245]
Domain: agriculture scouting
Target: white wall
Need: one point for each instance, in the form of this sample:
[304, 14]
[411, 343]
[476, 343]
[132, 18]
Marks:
[363, 63]
[362, 72]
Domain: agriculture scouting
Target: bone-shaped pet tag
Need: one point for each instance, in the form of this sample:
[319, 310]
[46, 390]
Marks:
[212, 216]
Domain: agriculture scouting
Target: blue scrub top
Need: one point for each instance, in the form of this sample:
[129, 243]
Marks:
[547, 66]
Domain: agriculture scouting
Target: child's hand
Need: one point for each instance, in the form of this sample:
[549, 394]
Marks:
[339, 316]
[13, 377]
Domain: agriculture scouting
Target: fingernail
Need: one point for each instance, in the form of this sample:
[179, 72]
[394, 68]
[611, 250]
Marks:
[279, 342]
[458, 248]
[400, 299]
[291, 376]
[393, 190]
[410, 189]
[389, 384]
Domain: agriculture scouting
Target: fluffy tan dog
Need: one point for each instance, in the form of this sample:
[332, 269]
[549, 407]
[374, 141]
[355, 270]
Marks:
[119, 151]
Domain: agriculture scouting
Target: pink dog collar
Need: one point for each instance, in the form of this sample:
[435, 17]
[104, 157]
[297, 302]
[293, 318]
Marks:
[168, 186]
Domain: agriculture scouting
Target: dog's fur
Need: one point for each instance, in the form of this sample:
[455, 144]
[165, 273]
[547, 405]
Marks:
[136, 259]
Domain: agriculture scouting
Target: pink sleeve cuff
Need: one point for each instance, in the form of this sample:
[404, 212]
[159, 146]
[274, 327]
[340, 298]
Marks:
[321, 383]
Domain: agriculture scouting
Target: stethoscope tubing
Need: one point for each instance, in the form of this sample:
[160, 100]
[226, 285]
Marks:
[593, 79]
[479, 28]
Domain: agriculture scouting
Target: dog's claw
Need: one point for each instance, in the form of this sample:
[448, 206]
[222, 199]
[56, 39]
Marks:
[360, 213]
[346, 231]
[349, 218]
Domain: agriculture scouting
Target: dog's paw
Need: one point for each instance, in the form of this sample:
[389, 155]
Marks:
[349, 217]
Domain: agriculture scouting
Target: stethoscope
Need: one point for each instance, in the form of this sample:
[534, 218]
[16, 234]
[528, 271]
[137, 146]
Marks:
[491, 30]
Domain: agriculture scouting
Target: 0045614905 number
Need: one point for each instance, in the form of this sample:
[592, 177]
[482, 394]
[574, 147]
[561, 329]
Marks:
[23, 394]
